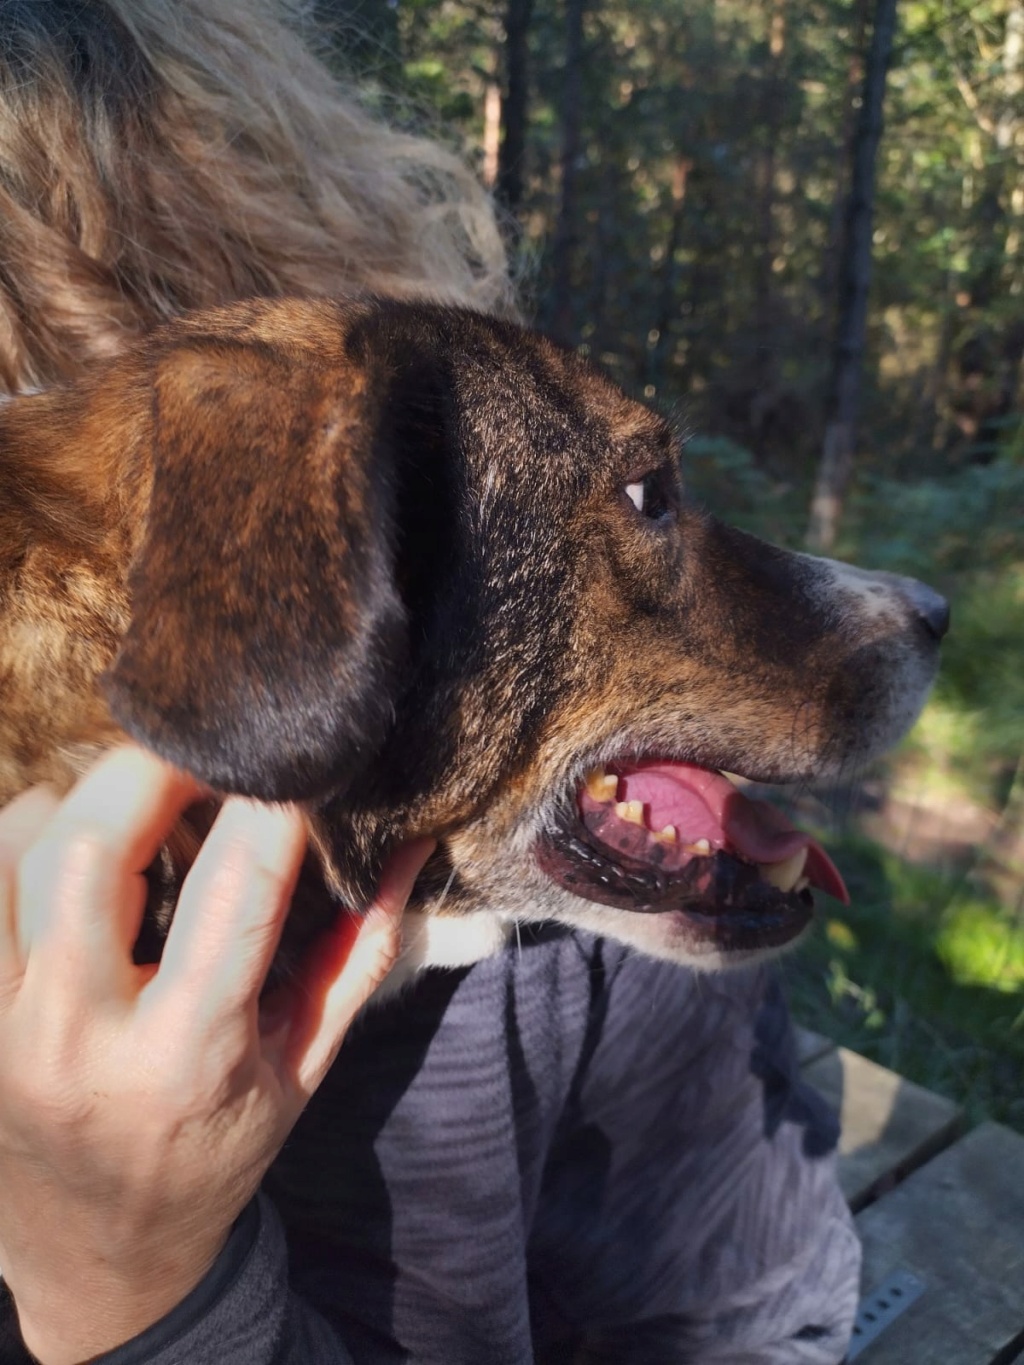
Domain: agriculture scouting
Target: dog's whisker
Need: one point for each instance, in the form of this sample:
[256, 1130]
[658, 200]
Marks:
[444, 892]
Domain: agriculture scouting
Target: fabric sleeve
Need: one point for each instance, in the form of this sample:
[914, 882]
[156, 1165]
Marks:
[242, 1312]
[690, 1210]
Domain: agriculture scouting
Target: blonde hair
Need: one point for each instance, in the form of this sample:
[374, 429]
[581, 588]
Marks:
[158, 155]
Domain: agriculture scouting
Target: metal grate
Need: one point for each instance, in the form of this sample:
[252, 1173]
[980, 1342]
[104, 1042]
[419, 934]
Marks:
[880, 1309]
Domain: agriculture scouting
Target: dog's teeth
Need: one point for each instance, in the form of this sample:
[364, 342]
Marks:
[602, 786]
[630, 811]
[666, 836]
[803, 884]
[787, 874]
[700, 849]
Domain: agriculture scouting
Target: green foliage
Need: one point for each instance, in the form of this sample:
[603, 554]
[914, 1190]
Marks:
[925, 973]
[964, 530]
[720, 290]
[983, 669]
[946, 525]
[727, 479]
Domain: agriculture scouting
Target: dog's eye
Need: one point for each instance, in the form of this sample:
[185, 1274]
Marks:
[649, 496]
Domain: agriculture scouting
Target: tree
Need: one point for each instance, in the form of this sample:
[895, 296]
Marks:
[514, 105]
[852, 91]
[562, 323]
[855, 279]
[990, 346]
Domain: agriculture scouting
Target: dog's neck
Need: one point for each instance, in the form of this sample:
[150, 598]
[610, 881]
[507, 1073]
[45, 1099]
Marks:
[443, 941]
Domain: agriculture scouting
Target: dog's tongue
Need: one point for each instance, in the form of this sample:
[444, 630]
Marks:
[702, 804]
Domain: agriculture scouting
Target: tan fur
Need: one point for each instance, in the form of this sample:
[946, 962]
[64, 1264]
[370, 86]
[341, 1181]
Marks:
[236, 541]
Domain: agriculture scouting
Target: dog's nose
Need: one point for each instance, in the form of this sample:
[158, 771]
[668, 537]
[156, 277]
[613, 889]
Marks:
[930, 606]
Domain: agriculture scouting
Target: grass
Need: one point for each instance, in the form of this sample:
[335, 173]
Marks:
[923, 973]
[973, 730]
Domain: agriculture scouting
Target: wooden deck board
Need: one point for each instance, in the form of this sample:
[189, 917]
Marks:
[941, 1217]
[889, 1125]
[957, 1224]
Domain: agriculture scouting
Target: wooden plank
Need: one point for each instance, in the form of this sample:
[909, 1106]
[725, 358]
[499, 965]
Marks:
[889, 1125]
[810, 1045]
[957, 1224]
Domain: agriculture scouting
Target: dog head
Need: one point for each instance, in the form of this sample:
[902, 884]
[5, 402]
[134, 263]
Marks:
[429, 574]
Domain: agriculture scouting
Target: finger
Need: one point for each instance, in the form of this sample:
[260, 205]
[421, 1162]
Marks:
[345, 969]
[21, 824]
[81, 888]
[233, 906]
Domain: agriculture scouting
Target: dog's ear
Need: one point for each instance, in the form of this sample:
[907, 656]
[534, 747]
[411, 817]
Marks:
[267, 634]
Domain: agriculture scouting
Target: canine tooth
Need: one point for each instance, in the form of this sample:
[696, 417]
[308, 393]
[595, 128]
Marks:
[701, 848]
[786, 874]
[666, 836]
[602, 786]
[630, 811]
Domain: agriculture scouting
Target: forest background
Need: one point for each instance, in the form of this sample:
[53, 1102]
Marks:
[798, 228]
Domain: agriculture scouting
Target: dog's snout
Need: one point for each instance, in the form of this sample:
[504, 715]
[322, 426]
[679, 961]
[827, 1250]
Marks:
[930, 606]
[877, 590]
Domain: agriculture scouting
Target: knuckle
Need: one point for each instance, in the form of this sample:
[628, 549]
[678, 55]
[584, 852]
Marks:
[172, 1076]
[190, 1063]
[36, 869]
[65, 858]
[44, 1095]
[227, 882]
[22, 821]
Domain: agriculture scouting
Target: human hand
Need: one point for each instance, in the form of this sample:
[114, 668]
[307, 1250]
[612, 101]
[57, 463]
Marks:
[140, 1107]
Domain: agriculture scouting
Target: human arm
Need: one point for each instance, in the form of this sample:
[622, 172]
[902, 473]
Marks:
[141, 1106]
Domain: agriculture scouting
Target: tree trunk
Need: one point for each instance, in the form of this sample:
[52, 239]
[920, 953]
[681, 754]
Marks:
[660, 337]
[855, 279]
[929, 433]
[563, 248]
[609, 199]
[514, 105]
[762, 374]
[771, 100]
[829, 278]
[989, 353]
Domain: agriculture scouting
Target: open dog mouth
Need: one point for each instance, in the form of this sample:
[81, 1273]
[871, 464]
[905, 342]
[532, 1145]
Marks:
[656, 836]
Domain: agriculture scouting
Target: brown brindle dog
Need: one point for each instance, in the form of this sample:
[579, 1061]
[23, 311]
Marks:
[426, 573]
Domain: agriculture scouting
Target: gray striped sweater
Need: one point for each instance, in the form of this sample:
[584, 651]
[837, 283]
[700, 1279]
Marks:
[568, 1153]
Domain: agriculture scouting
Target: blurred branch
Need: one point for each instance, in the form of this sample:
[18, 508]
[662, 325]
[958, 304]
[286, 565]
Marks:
[971, 100]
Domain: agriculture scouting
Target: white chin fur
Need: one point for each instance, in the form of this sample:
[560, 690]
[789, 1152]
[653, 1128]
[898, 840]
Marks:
[443, 941]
